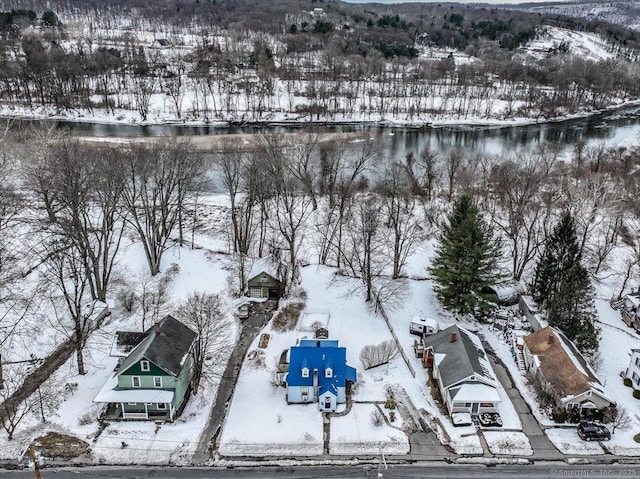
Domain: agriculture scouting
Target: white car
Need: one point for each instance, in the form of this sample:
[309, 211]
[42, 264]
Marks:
[243, 311]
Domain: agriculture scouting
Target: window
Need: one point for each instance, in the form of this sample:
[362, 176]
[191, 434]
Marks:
[328, 373]
[144, 366]
[157, 382]
[588, 393]
[135, 381]
[255, 292]
[304, 390]
[264, 279]
[305, 372]
[638, 361]
[162, 406]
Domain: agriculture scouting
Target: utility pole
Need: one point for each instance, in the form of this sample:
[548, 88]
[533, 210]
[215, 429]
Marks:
[382, 462]
[36, 465]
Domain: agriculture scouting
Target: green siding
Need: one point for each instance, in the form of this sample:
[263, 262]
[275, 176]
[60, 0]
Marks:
[136, 370]
[182, 382]
[268, 282]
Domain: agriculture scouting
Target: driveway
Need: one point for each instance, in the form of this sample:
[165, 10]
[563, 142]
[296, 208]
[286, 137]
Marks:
[250, 329]
[543, 448]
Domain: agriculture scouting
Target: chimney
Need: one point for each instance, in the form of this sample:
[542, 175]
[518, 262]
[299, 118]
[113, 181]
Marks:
[156, 326]
[454, 336]
[550, 339]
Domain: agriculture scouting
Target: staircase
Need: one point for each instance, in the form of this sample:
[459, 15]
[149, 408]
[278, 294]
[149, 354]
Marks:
[520, 359]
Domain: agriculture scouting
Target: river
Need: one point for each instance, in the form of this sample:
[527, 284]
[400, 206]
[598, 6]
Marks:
[620, 128]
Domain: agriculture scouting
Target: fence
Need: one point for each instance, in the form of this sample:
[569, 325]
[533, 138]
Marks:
[395, 338]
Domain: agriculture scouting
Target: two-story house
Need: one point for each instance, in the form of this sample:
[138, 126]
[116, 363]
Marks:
[154, 372]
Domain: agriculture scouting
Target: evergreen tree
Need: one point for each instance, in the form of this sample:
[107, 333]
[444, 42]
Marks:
[562, 285]
[466, 259]
[573, 310]
[561, 253]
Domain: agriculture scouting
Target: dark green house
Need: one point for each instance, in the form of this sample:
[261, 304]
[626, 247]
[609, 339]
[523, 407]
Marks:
[265, 280]
[153, 376]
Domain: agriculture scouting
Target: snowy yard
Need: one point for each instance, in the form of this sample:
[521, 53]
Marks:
[130, 442]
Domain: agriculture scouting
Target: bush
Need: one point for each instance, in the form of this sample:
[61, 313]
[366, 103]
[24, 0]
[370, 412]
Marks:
[392, 416]
[287, 317]
[627, 382]
[637, 437]
[376, 355]
[559, 415]
[636, 393]
[390, 403]
[376, 418]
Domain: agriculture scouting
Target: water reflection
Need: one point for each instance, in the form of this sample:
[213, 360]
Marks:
[618, 128]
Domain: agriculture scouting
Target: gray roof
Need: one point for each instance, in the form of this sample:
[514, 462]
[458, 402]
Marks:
[166, 348]
[463, 357]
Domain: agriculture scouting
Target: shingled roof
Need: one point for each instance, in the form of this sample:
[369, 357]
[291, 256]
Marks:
[461, 357]
[561, 363]
[165, 346]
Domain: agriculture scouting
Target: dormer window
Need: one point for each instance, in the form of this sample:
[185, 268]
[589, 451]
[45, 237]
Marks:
[144, 366]
[328, 373]
[305, 372]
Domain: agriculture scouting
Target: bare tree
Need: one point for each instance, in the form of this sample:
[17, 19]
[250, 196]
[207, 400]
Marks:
[158, 179]
[204, 313]
[65, 275]
[454, 163]
[378, 354]
[12, 412]
[87, 184]
[400, 219]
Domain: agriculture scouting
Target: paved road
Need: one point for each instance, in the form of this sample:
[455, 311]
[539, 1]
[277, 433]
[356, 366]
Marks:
[250, 328]
[440, 470]
[543, 449]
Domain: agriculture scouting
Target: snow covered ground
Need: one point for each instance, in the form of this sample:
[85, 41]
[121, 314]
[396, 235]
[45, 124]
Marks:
[131, 442]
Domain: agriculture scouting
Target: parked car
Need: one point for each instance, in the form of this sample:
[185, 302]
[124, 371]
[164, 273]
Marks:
[593, 431]
[242, 312]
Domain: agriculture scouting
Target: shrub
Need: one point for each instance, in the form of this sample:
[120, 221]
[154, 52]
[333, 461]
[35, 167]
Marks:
[390, 403]
[637, 437]
[86, 419]
[376, 355]
[627, 382]
[636, 393]
[559, 415]
[287, 317]
[392, 416]
[376, 418]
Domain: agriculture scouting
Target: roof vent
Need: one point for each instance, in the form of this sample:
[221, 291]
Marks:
[454, 336]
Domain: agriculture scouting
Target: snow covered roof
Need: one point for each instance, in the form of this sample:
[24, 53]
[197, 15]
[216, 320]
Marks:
[165, 347]
[562, 364]
[264, 265]
[475, 392]
[109, 394]
[634, 299]
[463, 355]
[432, 323]
[124, 342]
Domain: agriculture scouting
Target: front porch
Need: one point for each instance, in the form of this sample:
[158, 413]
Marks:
[142, 412]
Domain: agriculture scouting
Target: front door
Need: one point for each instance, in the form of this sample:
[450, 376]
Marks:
[475, 407]
[327, 403]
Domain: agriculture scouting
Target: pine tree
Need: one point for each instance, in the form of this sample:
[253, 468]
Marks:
[561, 253]
[466, 259]
[562, 285]
[573, 310]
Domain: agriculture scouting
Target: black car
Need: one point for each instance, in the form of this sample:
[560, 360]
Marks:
[593, 431]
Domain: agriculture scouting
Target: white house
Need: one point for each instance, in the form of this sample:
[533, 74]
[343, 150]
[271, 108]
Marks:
[633, 371]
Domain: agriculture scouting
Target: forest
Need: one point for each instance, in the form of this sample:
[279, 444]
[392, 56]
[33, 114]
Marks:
[233, 61]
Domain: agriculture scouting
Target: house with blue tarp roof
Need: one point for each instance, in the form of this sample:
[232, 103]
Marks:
[318, 372]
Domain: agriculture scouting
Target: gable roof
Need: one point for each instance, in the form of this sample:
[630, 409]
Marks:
[562, 365]
[264, 265]
[319, 354]
[166, 348]
[461, 358]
